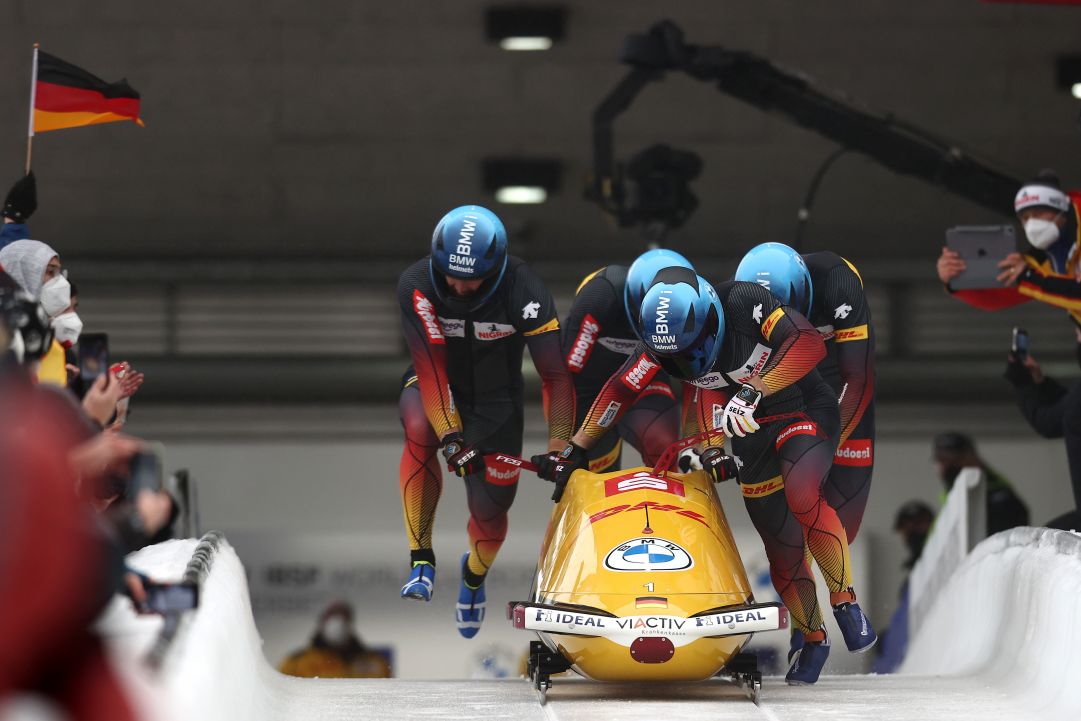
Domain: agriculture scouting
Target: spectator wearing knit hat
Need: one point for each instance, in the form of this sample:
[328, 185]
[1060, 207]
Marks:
[1048, 269]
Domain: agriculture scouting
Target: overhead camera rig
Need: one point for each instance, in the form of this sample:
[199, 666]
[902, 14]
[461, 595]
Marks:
[653, 191]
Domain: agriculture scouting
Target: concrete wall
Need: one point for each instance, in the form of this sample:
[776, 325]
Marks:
[346, 128]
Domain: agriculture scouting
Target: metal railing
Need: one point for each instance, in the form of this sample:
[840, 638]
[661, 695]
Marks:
[197, 570]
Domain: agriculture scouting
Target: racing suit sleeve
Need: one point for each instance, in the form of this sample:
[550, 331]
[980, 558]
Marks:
[596, 308]
[534, 314]
[989, 298]
[703, 409]
[853, 335]
[795, 345]
[619, 393]
[428, 349]
[797, 348]
[1057, 289]
[557, 388]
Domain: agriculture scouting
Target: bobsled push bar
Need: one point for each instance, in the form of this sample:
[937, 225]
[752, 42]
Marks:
[664, 463]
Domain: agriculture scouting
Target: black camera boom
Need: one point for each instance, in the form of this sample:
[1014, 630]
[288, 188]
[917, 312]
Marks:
[900, 146]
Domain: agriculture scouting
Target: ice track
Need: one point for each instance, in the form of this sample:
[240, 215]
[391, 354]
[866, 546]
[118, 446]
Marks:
[1000, 644]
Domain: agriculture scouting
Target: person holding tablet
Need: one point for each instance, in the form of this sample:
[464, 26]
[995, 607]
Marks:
[1049, 270]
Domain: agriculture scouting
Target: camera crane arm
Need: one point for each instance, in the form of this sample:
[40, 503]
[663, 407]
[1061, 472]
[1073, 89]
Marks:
[896, 144]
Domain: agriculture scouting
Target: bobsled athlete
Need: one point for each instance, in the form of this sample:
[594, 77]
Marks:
[828, 290]
[598, 335]
[468, 311]
[747, 356]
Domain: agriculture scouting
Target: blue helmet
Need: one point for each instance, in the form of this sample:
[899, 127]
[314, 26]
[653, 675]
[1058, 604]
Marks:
[469, 243]
[780, 270]
[682, 323]
[640, 276]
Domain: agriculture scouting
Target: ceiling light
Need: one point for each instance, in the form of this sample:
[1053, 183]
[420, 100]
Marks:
[521, 194]
[529, 27]
[526, 43]
[521, 180]
[1076, 90]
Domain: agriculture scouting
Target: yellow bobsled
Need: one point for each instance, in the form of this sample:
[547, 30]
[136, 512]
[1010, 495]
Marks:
[639, 579]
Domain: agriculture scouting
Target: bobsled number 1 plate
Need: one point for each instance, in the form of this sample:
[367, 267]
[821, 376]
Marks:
[625, 629]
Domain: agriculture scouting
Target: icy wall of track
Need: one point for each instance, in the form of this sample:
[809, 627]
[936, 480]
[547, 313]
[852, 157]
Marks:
[216, 668]
[1011, 616]
[1000, 644]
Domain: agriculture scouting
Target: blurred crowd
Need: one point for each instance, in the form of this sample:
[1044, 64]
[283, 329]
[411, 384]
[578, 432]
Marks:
[72, 505]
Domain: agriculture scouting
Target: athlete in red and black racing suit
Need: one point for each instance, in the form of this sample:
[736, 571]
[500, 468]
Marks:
[786, 462]
[840, 312]
[465, 385]
[597, 338]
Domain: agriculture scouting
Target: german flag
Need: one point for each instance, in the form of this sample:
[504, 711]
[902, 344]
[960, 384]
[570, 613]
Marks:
[66, 96]
[651, 602]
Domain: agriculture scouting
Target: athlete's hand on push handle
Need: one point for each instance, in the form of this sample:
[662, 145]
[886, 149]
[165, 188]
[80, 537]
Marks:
[462, 459]
[738, 417]
[558, 467]
[720, 466]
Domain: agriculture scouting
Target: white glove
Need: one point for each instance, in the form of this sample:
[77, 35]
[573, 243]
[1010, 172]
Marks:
[688, 461]
[738, 417]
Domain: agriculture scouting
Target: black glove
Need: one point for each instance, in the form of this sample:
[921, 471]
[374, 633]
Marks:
[1016, 372]
[463, 460]
[22, 199]
[718, 465]
[558, 467]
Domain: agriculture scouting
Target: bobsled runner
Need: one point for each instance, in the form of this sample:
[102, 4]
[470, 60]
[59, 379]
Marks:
[639, 579]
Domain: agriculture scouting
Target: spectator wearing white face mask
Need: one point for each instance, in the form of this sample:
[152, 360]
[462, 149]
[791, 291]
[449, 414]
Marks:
[1049, 269]
[335, 650]
[36, 268]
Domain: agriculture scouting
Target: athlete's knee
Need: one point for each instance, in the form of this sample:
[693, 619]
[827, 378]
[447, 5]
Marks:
[489, 501]
[418, 431]
[785, 556]
[493, 528]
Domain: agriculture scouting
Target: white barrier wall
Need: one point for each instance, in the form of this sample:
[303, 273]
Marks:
[1011, 616]
[959, 526]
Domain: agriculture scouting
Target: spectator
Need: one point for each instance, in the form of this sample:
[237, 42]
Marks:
[954, 451]
[19, 205]
[335, 650]
[1048, 269]
[36, 268]
[913, 522]
[60, 567]
[1053, 411]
